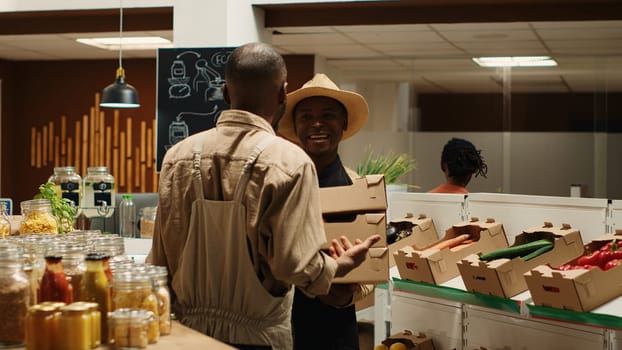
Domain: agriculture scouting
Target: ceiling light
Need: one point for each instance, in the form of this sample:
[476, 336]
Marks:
[120, 94]
[128, 43]
[515, 61]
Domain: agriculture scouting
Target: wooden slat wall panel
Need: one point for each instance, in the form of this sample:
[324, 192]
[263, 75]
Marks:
[97, 139]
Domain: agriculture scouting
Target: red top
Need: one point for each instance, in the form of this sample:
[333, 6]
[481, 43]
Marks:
[449, 188]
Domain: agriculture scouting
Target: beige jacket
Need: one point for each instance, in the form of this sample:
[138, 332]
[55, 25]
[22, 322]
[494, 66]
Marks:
[285, 227]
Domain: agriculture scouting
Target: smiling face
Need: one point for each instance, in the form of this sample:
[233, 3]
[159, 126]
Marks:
[319, 123]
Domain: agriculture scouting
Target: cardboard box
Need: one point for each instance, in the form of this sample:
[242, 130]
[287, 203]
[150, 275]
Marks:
[375, 268]
[578, 290]
[504, 277]
[366, 194]
[410, 340]
[421, 233]
[436, 266]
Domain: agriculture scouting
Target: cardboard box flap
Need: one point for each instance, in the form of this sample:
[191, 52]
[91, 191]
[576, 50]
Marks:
[375, 218]
[366, 194]
[422, 221]
[377, 253]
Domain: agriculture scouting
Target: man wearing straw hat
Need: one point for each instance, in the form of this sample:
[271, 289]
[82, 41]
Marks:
[318, 116]
[233, 201]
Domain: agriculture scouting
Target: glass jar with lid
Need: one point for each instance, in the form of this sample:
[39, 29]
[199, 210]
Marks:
[75, 327]
[134, 290]
[37, 217]
[129, 328]
[159, 277]
[67, 183]
[95, 322]
[96, 288]
[54, 283]
[72, 253]
[99, 192]
[14, 294]
[146, 222]
[5, 223]
[42, 327]
[111, 245]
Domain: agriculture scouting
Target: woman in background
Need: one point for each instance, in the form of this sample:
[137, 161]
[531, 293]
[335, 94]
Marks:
[460, 160]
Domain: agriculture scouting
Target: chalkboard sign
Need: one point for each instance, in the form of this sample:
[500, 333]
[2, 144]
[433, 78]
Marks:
[189, 94]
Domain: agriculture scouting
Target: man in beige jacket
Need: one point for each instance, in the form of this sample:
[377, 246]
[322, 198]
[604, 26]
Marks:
[239, 220]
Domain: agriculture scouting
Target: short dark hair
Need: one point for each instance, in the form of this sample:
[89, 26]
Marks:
[255, 62]
[463, 159]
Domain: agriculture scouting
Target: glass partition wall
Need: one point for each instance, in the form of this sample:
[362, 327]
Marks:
[542, 130]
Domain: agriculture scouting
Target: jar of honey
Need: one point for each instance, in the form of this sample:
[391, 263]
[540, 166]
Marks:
[42, 327]
[95, 322]
[74, 328]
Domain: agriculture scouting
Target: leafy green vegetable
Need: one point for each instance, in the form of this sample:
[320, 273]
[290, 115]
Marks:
[62, 208]
[392, 165]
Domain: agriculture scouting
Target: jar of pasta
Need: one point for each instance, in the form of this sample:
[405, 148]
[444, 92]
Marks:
[134, 290]
[37, 217]
[14, 295]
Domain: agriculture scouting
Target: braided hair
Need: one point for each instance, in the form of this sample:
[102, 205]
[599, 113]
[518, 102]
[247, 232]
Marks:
[463, 159]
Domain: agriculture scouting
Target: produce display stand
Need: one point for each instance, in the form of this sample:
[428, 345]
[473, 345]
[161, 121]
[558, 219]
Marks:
[458, 319]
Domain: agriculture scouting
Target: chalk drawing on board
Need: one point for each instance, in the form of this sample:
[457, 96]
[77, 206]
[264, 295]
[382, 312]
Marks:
[191, 85]
[178, 129]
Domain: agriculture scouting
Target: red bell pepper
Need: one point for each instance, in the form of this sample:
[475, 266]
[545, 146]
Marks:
[612, 263]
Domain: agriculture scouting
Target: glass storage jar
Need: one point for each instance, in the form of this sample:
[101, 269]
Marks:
[96, 288]
[73, 253]
[42, 327]
[37, 217]
[5, 223]
[146, 222]
[99, 192]
[95, 322]
[14, 295]
[129, 328]
[54, 283]
[67, 183]
[159, 278]
[74, 327]
[134, 290]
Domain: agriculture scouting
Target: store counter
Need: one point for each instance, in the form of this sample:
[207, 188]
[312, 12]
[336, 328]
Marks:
[183, 338]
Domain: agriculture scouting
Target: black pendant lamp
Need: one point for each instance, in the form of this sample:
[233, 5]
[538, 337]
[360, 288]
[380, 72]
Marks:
[120, 94]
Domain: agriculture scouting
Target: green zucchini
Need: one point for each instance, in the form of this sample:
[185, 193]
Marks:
[537, 252]
[515, 250]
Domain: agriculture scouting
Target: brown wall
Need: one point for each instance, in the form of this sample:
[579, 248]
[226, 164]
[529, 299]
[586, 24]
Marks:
[550, 112]
[40, 92]
[37, 93]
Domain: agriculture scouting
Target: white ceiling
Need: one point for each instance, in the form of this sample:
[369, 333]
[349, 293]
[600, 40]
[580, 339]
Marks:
[434, 57]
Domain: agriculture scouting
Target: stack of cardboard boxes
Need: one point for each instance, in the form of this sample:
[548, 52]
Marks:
[357, 212]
